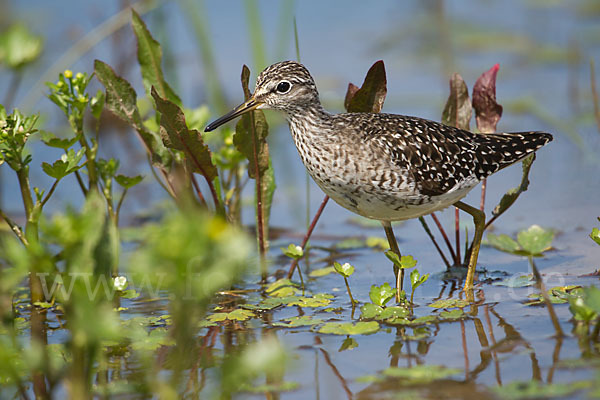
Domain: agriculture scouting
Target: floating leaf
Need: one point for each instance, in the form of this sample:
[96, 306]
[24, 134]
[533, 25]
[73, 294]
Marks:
[371, 95]
[452, 314]
[449, 303]
[487, 111]
[235, 315]
[294, 322]
[537, 390]
[380, 295]
[318, 300]
[420, 374]
[345, 269]
[394, 312]
[457, 111]
[370, 311]
[535, 240]
[282, 288]
[149, 54]
[321, 272]
[349, 328]
[376, 241]
[424, 320]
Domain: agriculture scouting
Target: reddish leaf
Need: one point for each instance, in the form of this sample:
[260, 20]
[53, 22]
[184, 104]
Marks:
[371, 95]
[176, 135]
[487, 111]
[457, 111]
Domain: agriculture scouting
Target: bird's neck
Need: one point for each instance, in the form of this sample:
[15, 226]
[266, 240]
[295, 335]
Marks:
[309, 124]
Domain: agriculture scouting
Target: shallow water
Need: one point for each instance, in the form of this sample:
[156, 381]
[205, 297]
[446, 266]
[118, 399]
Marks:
[500, 340]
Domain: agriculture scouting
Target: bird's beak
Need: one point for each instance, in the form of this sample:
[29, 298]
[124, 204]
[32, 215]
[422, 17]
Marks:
[243, 108]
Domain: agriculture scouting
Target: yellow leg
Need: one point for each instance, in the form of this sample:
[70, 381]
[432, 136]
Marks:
[479, 221]
[399, 273]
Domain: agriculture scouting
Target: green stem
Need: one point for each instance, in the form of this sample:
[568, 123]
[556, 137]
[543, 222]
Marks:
[542, 288]
[14, 227]
[90, 155]
[49, 193]
[349, 292]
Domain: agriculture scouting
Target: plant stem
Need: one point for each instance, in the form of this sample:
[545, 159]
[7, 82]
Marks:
[443, 232]
[262, 248]
[428, 231]
[197, 188]
[308, 233]
[542, 288]
[49, 193]
[119, 204]
[349, 292]
[14, 227]
[457, 234]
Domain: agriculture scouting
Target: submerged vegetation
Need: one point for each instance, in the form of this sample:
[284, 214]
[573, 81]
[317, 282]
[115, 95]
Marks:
[189, 303]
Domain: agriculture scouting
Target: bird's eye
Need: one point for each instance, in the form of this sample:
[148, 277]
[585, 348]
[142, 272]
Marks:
[283, 87]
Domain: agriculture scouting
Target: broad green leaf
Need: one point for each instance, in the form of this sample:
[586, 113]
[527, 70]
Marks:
[371, 95]
[535, 240]
[176, 135]
[457, 111]
[414, 278]
[294, 322]
[591, 296]
[424, 320]
[19, 46]
[318, 300]
[503, 243]
[121, 101]
[316, 273]
[370, 311]
[376, 241]
[149, 55]
[128, 181]
[404, 262]
[293, 251]
[68, 163]
[595, 235]
[235, 315]
[380, 295]
[349, 328]
[487, 110]
[449, 303]
[282, 288]
[512, 194]
[516, 281]
[420, 374]
[452, 314]
[393, 312]
[345, 269]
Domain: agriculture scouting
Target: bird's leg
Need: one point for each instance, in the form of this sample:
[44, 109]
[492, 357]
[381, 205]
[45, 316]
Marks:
[398, 272]
[479, 221]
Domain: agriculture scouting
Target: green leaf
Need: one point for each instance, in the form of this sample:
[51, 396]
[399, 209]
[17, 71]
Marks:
[595, 235]
[316, 273]
[97, 104]
[380, 295]
[318, 300]
[345, 269]
[449, 303]
[512, 194]
[535, 240]
[487, 110]
[176, 135]
[282, 288]
[370, 311]
[457, 111]
[128, 181]
[503, 243]
[293, 251]
[452, 314]
[591, 296]
[371, 95]
[414, 278]
[537, 390]
[404, 262]
[349, 328]
[68, 163]
[295, 322]
[50, 140]
[121, 100]
[19, 46]
[348, 344]
[235, 315]
[420, 374]
[393, 313]
[378, 242]
[516, 281]
[149, 56]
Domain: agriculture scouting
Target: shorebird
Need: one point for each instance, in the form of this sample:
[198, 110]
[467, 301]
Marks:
[385, 167]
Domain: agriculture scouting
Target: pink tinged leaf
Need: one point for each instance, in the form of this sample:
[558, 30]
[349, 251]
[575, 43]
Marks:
[487, 111]
[371, 95]
[457, 111]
